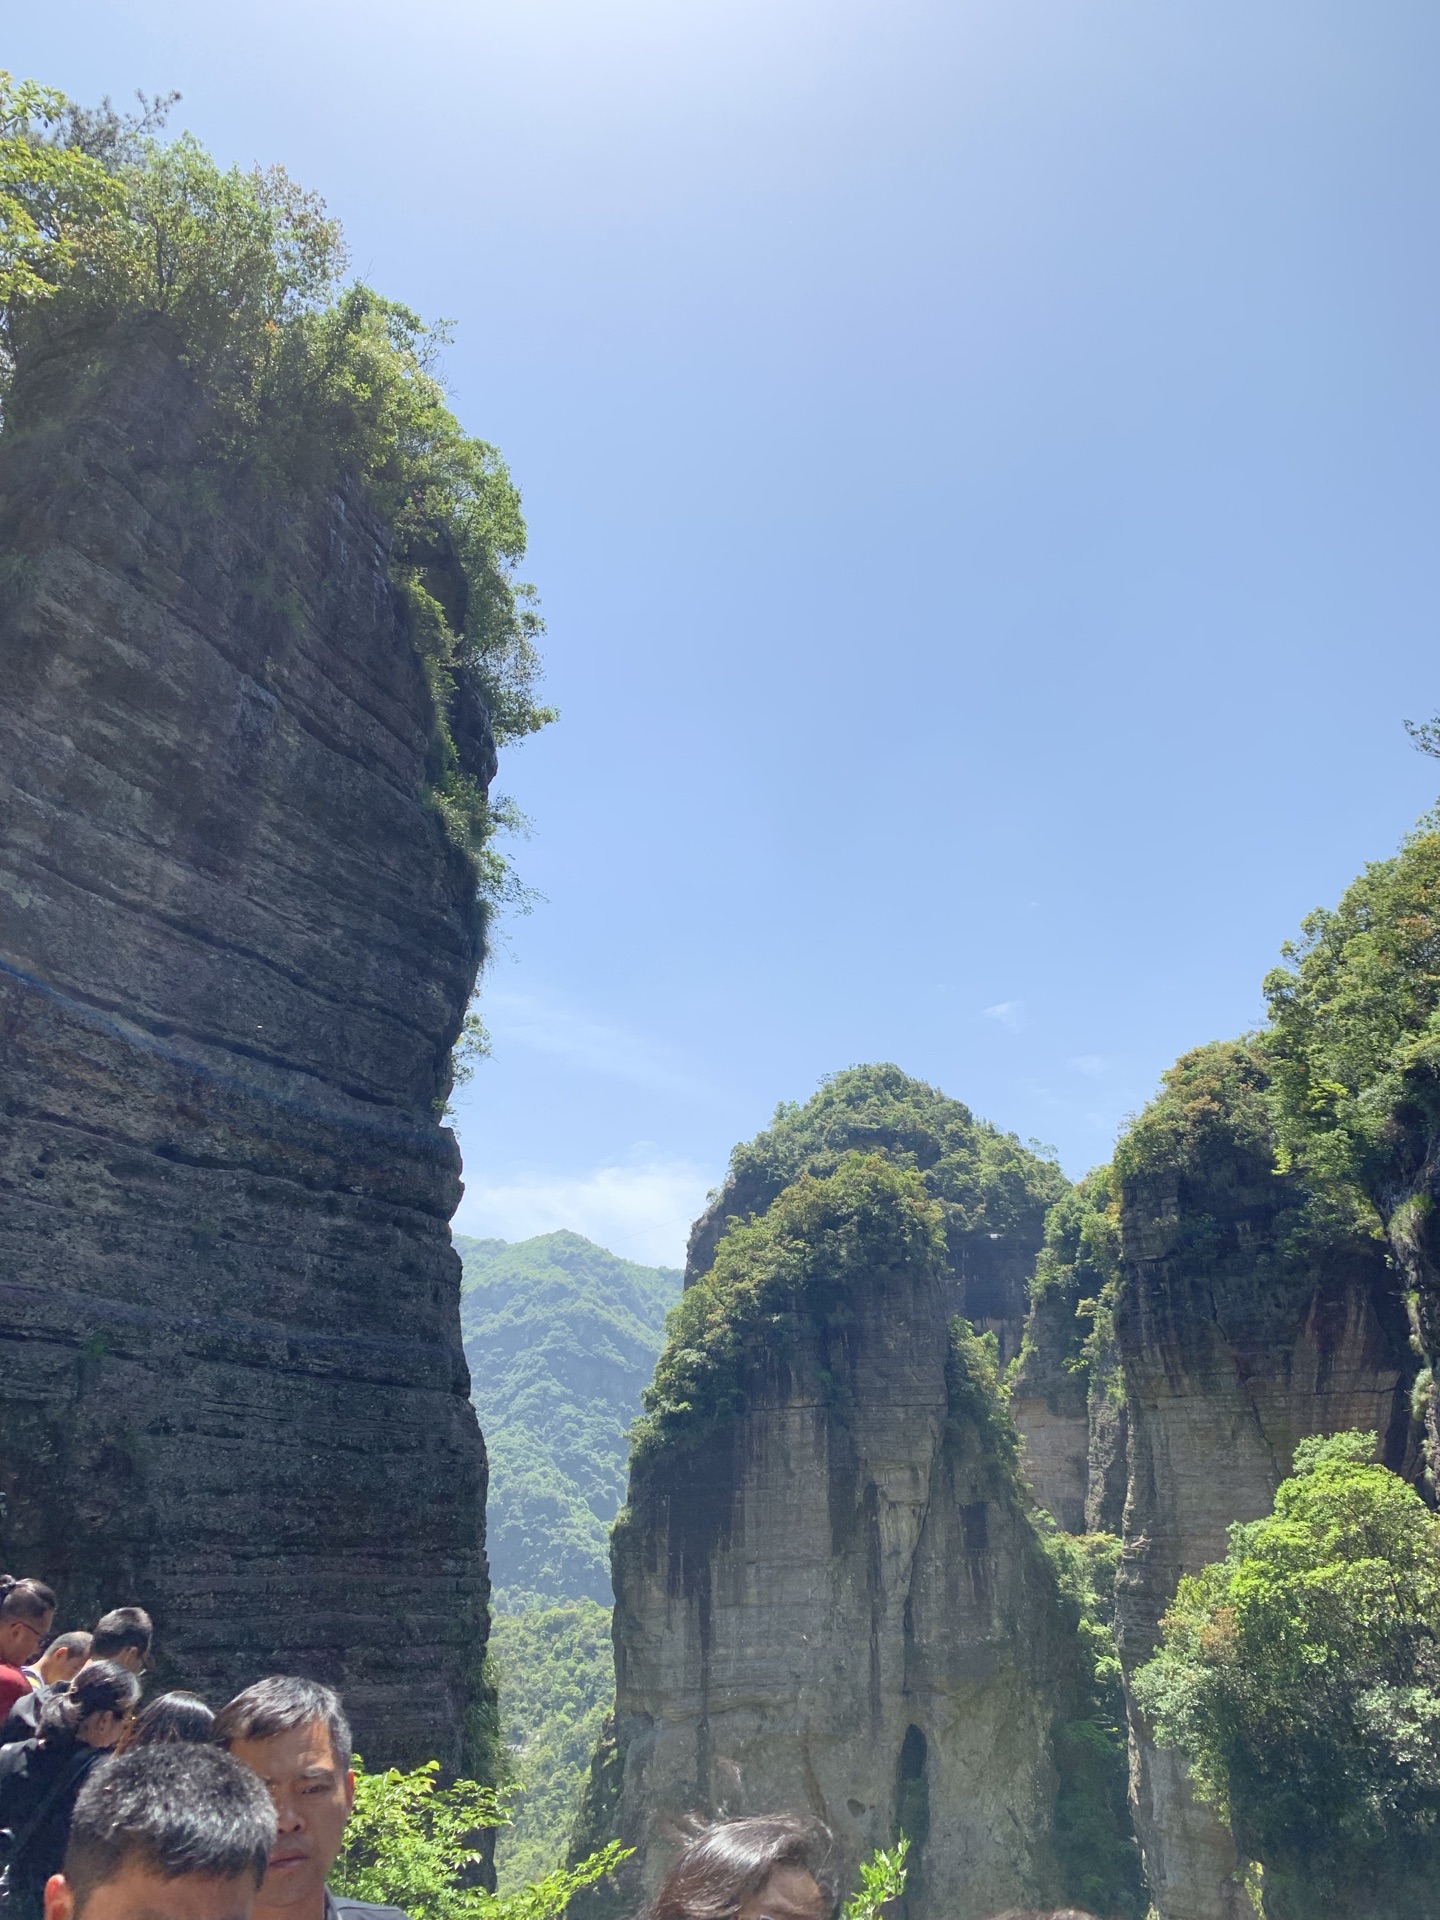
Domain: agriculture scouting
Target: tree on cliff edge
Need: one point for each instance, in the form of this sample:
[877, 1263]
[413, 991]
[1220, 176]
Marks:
[1354, 1051]
[1300, 1676]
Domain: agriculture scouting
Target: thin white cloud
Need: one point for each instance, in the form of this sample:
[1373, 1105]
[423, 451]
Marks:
[598, 1046]
[1007, 1014]
[1092, 1065]
[641, 1211]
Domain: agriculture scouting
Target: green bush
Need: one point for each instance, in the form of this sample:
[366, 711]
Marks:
[414, 1844]
[1300, 1677]
[804, 1255]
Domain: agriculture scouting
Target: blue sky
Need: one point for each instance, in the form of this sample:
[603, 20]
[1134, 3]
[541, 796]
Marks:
[981, 463]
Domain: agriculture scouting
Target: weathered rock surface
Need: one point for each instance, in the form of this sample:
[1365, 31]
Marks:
[1241, 1329]
[235, 948]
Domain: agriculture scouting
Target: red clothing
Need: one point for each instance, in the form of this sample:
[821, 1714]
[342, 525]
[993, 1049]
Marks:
[12, 1684]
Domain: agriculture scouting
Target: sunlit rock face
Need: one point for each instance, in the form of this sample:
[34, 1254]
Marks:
[1240, 1330]
[835, 1604]
[235, 947]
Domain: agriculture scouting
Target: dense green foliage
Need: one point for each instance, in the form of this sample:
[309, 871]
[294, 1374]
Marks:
[1300, 1676]
[1355, 1045]
[102, 225]
[976, 1395]
[1093, 1836]
[1073, 1291]
[804, 1254]
[986, 1180]
[414, 1844]
[561, 1337]
[555, 1670]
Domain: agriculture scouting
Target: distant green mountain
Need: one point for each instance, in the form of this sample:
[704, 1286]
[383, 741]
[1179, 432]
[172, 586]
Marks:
[561, 1337]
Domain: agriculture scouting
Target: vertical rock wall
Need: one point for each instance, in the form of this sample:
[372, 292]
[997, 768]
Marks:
[835, 1602]
[1244, 1322]
[235, 948]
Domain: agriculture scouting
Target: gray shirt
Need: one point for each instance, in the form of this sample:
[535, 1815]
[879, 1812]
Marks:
[339, 1907]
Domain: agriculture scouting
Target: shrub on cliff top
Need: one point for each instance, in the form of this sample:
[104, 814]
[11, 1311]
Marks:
[1197, 1174]
[308, 380]
[1355, 1046]
[1300, 1677]
[987, 1181]
[804, 1255]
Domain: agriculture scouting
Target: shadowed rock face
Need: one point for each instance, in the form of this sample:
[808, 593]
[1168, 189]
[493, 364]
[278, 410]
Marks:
[834, 1604]
[235, 948]
[1236, 1341]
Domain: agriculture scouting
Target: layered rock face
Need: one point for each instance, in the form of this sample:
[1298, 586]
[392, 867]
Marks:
[1244, 1322]
[235, 949]
[831, 1599]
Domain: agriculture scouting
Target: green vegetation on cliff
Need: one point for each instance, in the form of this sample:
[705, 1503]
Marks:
[1300, 1676]
[804, 1253]
[562, 1338]
[992, 1191]
[104, 226]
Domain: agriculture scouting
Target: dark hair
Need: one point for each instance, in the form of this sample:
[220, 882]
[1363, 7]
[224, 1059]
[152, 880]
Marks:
[71, 1643]
[24, 1599]
[115, 1632]
[169, 1720]
[177, 1810]
[279, 1704]
[730, 1860]
[100, 1687]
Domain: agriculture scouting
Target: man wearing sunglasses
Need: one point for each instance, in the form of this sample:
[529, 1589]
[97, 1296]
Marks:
[27, 1610]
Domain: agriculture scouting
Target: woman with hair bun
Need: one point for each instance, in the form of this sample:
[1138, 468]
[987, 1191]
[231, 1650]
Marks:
[168, 1721]
[40, 1779]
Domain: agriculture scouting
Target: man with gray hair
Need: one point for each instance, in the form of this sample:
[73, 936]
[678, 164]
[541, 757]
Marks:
[294, 1735]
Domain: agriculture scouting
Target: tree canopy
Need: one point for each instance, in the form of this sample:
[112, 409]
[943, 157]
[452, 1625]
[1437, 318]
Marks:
[1300, 1677]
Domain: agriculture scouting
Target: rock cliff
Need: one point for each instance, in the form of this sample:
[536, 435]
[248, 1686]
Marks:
[1246, 1316]
[235, 949]
[830, 1592]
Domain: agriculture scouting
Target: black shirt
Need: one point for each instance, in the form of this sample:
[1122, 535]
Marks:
[31, 1771]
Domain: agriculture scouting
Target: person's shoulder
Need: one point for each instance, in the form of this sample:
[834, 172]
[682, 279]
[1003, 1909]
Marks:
[341, 1908]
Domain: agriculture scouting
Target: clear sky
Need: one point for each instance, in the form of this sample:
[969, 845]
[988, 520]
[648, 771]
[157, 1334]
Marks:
[981, 464]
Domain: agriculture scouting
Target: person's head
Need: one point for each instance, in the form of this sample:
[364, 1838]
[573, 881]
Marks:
[123, 1636]
[63, 1658]
[27, 1608]
[168, 1833]
[168, 1720]
[772, 1867]
[95, 1709]
[294, 1734]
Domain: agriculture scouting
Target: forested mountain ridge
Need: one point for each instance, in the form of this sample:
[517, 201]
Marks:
[562, 1338]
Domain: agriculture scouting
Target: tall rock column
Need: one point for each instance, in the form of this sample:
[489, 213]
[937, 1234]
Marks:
[235, 949]
[828, 1595]
[1246, 1319]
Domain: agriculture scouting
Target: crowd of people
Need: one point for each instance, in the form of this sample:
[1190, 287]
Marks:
[111, 1811]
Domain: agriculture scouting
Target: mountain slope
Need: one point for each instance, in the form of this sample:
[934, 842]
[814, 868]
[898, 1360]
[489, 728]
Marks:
[561, 1338]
